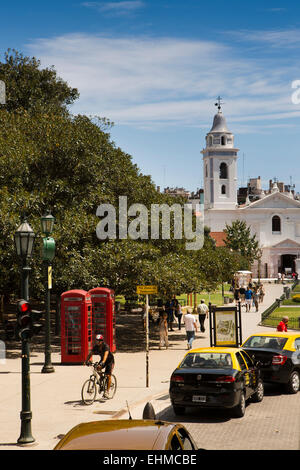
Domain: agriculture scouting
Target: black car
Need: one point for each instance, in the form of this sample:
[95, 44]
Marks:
[215, 378]
[278, 355]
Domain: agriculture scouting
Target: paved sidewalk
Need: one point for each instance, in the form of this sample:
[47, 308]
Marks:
[56, 398]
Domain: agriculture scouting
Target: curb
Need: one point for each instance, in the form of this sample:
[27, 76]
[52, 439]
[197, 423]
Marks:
[138, 403]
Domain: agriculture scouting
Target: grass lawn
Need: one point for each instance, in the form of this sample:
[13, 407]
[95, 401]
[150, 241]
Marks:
[214, 297]
[275, 317]
[290, 302]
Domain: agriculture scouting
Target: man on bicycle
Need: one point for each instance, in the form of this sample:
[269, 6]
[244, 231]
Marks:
[106, 360]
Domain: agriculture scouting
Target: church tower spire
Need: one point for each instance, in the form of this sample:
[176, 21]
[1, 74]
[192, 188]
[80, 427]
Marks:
[220, 165]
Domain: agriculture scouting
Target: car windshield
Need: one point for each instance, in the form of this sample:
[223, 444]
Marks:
[266, 342]
[207, 360]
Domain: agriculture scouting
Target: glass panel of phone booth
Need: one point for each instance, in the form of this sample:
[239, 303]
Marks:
[99, 317]
[73, 329]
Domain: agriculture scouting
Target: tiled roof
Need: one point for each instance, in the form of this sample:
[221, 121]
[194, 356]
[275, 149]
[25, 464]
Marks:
[219, 238]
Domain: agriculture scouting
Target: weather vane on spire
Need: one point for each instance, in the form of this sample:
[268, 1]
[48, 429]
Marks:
[219, 103]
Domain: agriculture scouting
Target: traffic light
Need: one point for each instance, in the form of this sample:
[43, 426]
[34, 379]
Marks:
[27, 320]
[23, 319]
[36, 326]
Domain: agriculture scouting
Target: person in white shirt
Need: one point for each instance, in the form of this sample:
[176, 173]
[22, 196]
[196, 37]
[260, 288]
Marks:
[202, 311]
[190, 327]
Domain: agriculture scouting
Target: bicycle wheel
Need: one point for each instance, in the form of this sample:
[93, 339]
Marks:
[88, 392]
[113, 386]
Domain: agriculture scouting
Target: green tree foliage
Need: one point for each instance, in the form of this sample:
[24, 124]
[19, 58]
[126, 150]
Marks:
[32, 88]
[52, 160]
[239, 239]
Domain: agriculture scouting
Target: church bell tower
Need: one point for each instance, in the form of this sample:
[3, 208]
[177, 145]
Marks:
[220, 165]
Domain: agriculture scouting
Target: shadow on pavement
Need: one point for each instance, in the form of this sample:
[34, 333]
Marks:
[272, 390]
[193, 415]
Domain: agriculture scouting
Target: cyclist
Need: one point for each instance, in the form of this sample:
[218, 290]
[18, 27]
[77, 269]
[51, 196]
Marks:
[106, 359]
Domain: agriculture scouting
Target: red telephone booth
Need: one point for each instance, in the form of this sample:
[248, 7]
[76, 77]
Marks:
[104, 319]
[76, 326]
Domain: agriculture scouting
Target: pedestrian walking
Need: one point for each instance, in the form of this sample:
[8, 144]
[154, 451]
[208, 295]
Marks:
[248, 299]
[256, 298]
[144, 315]
[190, 327]
[178, 314]
[261, 293]
[202, 311]
[282, 326]
[163, 331]
[237, 296]
[170, 312]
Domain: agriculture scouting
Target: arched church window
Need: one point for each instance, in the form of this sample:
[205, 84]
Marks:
[223, 189]
[223, 140]
[223, 171]
[276, 224]
[206, 171]
[210, 141]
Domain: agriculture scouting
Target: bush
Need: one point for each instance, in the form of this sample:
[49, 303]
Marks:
[296, 298]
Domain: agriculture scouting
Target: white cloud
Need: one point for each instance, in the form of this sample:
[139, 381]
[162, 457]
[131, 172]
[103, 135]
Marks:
[275, 9]
[115, 8]
[274, 38]
[165, 81]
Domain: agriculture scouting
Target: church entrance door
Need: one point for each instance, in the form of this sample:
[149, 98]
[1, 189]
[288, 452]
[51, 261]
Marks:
[288, 263]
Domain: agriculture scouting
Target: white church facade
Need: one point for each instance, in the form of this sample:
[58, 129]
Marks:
[274, 217]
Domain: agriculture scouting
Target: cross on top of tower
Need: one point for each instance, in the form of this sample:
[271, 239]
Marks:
[219, 102]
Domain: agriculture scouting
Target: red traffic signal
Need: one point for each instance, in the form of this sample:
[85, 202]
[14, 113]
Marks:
[23, 306]
[27, 320]
[23, 319]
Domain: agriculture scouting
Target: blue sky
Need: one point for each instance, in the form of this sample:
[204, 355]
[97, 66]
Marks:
[155, 68]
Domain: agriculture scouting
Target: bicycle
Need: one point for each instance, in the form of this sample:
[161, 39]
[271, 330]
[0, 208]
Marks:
[97, 379]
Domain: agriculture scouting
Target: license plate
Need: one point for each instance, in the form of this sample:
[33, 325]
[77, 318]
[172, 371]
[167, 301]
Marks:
[199, 398]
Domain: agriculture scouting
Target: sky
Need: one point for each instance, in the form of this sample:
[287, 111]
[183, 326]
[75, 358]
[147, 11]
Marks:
[155, 68]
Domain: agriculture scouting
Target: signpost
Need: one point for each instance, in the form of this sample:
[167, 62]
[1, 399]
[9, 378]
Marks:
[147, 290]
[225, 326]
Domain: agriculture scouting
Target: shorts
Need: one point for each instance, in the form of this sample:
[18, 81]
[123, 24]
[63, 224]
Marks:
[248, 301]
[109, 367]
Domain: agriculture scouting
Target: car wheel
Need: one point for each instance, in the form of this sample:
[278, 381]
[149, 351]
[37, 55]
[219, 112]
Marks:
[239, 410]
[294, 382]
[178, 410]
[259, 393]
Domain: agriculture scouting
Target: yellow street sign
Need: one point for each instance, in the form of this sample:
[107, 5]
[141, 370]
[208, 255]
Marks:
[49, 277]
[146, 290]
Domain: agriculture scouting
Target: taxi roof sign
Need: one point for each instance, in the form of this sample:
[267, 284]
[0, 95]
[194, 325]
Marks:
[146, 290]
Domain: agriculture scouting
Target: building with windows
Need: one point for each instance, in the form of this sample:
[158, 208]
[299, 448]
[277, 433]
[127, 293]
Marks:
[273, 215]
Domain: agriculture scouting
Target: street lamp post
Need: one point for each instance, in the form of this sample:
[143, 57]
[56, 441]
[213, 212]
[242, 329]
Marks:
[47, 223]
[24, 238]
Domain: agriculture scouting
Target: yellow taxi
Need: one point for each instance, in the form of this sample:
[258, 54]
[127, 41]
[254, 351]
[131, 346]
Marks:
[215, 377]
[127, 434]
[278, 355]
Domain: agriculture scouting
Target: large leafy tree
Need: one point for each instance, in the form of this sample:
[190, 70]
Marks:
[68, 164]
[239, 239]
